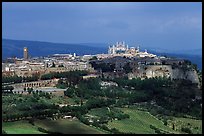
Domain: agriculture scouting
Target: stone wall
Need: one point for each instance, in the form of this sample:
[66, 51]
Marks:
[37, 84]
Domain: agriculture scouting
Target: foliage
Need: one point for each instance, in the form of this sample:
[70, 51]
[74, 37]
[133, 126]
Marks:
[42, 130]
[139, 123]
[105, 67]
[187, 130]
[19, 79]
[93, 58]
[127, 68]
[3, 132]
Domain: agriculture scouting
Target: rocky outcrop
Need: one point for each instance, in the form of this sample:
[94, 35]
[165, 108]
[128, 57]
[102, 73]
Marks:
[150, 71]
[191, 75]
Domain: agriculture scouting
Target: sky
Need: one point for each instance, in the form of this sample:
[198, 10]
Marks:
[165, 25]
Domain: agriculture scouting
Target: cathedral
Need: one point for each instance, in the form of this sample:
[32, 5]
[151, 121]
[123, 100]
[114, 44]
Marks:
[121, 48]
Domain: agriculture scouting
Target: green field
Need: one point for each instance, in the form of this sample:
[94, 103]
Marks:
[20, 127]
[67, 126]
[64, 126]
[98, 112]
[194, 125]
[139, 123]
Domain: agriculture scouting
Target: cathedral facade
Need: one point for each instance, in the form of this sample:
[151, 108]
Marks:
[122, 48]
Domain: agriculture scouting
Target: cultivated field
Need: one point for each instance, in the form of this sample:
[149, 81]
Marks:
[194, 125]
[139, 123]
[20, 127]
[65, 126]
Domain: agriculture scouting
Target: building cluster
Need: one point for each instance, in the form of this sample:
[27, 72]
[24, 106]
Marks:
[120, 58]
[121, 49]
[27, 66]
[42, 65]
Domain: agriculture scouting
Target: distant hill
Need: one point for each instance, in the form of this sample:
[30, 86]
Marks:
[12, 48]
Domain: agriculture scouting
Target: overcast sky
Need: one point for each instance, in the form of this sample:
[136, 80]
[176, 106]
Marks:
[164, 25]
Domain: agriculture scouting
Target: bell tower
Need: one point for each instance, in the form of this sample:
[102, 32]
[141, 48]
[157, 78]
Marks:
[25, 53]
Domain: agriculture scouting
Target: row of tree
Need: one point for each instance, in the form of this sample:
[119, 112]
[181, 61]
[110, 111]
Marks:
[68, 74]
[19, 79]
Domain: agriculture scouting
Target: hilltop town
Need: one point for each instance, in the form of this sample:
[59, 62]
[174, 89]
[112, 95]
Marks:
[120, 61]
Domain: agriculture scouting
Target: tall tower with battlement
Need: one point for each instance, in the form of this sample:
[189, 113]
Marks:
[25, 53]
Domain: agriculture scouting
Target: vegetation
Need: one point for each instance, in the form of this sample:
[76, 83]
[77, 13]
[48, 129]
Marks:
[19, 127]
[69, 75]
[19, 79]
[61, 125]
[186, 125]
[48, 126]
[127, 68]
[152, 102]
[104, 67]
[93, 58]
[139, 122]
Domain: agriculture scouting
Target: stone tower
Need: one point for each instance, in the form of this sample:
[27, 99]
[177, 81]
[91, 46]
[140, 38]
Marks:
[25, 53]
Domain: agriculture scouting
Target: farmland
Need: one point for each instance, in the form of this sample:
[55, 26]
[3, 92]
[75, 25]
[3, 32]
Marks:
[63, 126]
[195, 126]
[20, 127]
[66, 126]
[133, 108]
[139, 122]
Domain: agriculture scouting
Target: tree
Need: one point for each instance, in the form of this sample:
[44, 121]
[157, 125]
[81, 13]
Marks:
[127, 68]
[61, 65]
[30, 90]
[53, 64]
[93, 58]
[70, 92]
[187, 130]
[165, 122]
[3, 132]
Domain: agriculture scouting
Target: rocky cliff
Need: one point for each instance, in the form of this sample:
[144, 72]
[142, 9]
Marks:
[165, 70]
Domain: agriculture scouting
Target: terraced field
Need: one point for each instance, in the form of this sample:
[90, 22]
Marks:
[139, 123]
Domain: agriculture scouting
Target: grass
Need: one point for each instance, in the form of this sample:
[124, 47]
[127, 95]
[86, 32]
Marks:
[193, 124]
[20, 127]
[99, 112]
[67, 126]
[139, 123]
[64, 126]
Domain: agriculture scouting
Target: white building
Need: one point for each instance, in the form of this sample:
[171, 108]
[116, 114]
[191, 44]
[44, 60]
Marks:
[121, 48]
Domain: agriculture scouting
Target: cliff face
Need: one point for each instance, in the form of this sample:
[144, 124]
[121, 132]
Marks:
[165, 70]
[191, 75]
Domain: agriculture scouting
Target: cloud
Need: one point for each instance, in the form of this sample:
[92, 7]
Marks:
[181, 23]
[153, 23]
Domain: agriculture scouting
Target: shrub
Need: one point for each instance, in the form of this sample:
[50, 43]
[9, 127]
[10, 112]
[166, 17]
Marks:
[165, 122]
[42, 130]
[114, 130]
[187, 130]
[104, 127]
[31, 121]
[4, 132]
